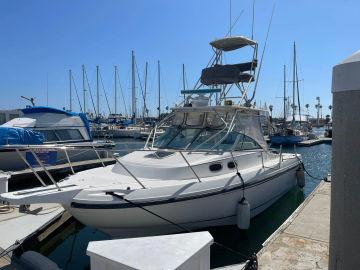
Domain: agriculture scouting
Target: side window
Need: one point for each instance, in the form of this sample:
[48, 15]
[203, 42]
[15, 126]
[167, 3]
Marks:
[49, 135]
[246, 143]
[75, 134]
[69, 134]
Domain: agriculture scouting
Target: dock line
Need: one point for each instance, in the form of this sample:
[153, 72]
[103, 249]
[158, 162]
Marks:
[251, 261]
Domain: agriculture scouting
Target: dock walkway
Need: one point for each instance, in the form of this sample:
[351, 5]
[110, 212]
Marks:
[19, 226]
[316, 141]
[302, 242]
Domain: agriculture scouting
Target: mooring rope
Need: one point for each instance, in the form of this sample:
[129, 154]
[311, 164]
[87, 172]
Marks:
[183, 228]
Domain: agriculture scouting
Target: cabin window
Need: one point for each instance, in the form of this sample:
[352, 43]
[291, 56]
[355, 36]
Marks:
[61, 135]
[69, 134]
[184, 138]
[246, 143]
[49, 135]
[215, 139]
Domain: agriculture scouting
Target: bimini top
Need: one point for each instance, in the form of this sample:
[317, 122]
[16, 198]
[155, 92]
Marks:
[232, 43]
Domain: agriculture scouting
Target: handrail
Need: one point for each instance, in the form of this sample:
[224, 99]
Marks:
[44, 168]
[68, 159]
[127, 170]
[198, 178]
[98, 156]
[31, 168]
[70, 148]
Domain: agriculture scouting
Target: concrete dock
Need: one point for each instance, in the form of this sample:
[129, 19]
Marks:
[302, 242]
[315, 141]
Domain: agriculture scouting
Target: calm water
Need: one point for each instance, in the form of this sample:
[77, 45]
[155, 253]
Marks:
[68, 249]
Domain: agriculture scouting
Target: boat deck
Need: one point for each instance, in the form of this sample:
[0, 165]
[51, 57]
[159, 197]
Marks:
[19, 226]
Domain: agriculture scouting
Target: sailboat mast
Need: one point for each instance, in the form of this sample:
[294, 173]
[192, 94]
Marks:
[293, 82]
[115, 75]
[284, 94]
[159, 89]
[70, 90]
[84, 90]
[97, 91]
[133, 86]
[145, 89]
[183, 77]
[297, 88]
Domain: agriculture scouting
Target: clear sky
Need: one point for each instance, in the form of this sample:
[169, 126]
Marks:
[41, 40]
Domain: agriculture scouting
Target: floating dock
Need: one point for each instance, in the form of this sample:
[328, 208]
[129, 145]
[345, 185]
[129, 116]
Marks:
[315, 141]
[302, 242]
[17, 226]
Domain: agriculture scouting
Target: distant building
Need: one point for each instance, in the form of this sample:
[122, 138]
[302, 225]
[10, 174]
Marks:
[7, 115]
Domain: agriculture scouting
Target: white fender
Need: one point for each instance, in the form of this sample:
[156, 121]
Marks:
[243, 214]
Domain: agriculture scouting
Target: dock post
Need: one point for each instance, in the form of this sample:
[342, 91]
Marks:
[345, 187]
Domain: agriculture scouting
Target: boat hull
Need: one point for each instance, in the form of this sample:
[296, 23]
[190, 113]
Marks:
[193, 213]
[286, 140]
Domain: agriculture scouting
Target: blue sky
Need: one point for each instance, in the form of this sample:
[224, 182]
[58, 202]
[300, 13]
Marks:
[44, 39]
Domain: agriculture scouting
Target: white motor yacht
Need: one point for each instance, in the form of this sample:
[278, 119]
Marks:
[210, 167]
[195, 174]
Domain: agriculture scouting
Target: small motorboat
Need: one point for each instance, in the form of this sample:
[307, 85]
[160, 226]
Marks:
[38, 126]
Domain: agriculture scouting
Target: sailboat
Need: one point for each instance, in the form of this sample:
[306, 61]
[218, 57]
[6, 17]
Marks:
[134, 129]
[295, 128]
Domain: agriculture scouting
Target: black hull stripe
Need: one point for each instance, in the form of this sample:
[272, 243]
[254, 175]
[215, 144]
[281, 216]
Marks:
[174, 200]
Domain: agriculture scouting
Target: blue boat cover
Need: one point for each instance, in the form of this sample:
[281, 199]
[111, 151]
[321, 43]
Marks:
[43, 109]
[11, 135]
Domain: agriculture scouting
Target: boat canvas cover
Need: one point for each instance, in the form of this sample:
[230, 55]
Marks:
[224, 74]
[12, 135]
[232, 43]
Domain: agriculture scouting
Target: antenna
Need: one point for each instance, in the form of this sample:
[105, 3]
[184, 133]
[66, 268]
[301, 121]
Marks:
[133, 86]
[70, 90]
[253, 20]
[230, 19]
[262, 55]
[159, 88]
[146, 111]
[115, 72]
[47, 89]
[97, 91]
[84, 90]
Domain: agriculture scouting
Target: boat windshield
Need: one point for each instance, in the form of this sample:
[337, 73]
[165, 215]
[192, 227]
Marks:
[203, 139]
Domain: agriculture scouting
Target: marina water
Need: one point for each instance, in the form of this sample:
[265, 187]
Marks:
[68, 248]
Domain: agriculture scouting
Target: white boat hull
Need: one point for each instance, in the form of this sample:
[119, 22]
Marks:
[212, 210]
